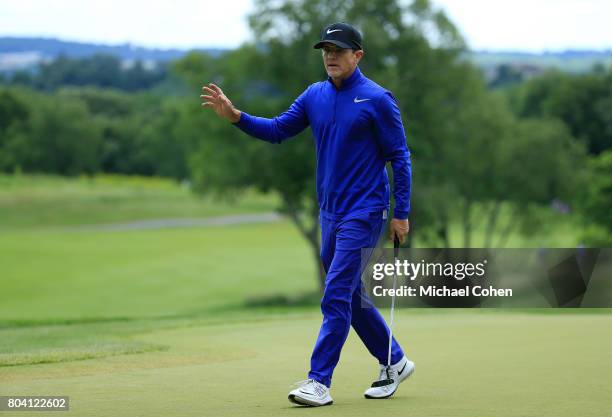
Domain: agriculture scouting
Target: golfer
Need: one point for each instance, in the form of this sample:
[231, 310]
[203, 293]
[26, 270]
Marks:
[357, 129]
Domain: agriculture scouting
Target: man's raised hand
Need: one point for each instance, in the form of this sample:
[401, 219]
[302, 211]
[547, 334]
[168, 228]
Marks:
[215, 99]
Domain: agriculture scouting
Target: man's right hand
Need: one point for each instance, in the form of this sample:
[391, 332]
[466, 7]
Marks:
[399, 228]
[222, 105]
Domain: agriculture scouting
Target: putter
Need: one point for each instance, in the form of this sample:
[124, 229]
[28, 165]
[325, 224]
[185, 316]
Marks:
[389, 380]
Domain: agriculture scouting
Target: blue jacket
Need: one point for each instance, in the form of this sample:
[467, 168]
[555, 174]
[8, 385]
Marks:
[357, 129]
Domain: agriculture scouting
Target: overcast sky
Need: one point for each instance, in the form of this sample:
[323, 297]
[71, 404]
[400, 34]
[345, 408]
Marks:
[527, 25]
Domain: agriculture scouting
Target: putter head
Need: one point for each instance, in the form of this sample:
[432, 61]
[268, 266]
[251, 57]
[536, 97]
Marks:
[384, 382]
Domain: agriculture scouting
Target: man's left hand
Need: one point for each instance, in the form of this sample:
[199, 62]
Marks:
[399, 228]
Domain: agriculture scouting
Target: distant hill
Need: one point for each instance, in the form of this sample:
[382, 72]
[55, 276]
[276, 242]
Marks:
[22, 53]
[571, 60]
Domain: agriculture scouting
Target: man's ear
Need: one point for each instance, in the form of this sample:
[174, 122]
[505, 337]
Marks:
[359, 54]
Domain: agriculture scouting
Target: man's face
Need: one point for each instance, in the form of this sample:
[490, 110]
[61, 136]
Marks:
[340, 63]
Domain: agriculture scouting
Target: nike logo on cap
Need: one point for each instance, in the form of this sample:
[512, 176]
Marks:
[332, 31]
[358, 100]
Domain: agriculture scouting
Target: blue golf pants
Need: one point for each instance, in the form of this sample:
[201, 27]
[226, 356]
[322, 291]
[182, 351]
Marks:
[345, 302]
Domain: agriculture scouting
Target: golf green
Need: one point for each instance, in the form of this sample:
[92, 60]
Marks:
[468, 363]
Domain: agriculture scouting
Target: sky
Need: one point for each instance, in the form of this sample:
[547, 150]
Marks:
[517, 25]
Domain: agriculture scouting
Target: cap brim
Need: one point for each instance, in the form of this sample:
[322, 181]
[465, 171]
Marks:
[337, 43]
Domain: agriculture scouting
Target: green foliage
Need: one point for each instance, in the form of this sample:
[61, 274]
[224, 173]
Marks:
[64, 140]
[14, 117]
[48, 134]
[195, 68]
[596, 200]
[86, 130]
[505, 75]
[582, 102]
[544, 162]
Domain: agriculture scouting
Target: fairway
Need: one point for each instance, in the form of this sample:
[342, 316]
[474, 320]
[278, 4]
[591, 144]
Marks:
[469, 363]
[150, 273]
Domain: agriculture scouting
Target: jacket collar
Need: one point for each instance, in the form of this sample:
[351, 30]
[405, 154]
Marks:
[349, 82]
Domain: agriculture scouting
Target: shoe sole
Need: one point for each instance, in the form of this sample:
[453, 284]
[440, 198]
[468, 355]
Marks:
[369, 397]
[302, 401]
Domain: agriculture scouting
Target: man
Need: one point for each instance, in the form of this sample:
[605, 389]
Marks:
[357, 128]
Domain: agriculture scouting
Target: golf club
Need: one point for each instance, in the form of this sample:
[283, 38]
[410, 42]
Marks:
[389, 380]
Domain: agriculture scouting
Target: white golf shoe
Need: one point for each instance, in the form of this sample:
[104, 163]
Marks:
[310, 392]
[387, 383]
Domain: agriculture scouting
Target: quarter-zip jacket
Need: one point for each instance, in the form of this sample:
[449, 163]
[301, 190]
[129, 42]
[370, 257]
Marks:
[357, 128]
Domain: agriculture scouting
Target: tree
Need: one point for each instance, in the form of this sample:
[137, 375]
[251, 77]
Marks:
[595, 200]
[63, 139]
[582, 102]
[14, 117]
[540, 161]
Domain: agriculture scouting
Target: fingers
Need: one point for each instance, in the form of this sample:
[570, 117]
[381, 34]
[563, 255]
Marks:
[210, 101]
[215, 88]
[395, 234]
[400, 236]
[212, 89]
[209, 91]
[399, 232]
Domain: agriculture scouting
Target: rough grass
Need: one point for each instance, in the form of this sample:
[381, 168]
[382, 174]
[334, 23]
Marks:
[47, 201]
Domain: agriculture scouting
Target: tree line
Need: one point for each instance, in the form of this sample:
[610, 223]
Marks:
[98, 70]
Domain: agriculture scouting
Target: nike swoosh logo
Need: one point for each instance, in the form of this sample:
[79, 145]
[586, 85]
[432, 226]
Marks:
[360, 100]
[332, 31]
[400, 372]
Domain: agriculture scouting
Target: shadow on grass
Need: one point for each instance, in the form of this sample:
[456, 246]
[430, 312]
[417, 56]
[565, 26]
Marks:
[6, 324]
[68, 354]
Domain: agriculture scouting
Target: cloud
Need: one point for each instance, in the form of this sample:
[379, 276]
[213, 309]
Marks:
[532, 25]
[178, 23]
[529, 25]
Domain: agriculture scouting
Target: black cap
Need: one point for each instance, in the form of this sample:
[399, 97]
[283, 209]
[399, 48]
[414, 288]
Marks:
[342, 35]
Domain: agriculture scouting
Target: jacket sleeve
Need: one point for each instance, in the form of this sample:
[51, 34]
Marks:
[392, 140]
[283, 126]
